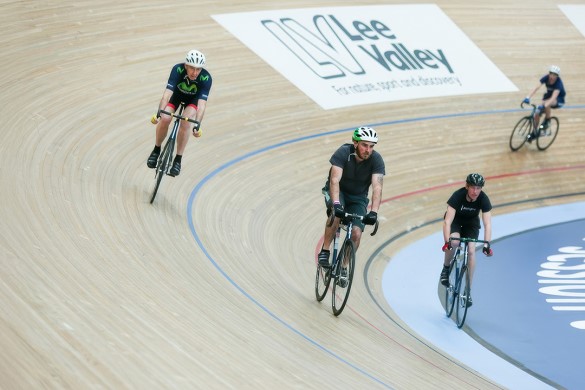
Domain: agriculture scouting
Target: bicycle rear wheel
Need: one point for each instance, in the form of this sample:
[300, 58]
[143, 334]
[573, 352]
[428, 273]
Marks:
[342, 283]
[322, 281]
[520, 133]
[450, 290]
[164, 162]
[546, 140]
[463, 293]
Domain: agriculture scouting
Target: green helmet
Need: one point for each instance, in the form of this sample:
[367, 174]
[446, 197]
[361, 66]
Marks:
[365, 134]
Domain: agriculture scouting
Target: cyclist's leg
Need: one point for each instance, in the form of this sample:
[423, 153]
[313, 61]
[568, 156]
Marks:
[357, 204]
[455, 233]
[330, 230]
[186, 128]
[162, 127]
[470, 232]
[448, 256]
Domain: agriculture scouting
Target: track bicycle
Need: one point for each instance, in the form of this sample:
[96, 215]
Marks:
[342, 269]
[529, 129]
[459, 289]
[165, 159]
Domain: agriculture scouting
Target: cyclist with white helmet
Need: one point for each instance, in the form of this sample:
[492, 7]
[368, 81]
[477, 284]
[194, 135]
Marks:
[462, 220]
[188, 83]
[354, 168]
[554, 96]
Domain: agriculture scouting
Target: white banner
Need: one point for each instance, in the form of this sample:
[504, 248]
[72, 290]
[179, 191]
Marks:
[576, 14]
[346, 56]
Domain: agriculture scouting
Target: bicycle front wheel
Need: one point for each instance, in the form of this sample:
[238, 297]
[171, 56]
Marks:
[164, 162]
[546, 140]
[450, 290]
[322, 281]
[344, 277]
[520, 133]
[463, 294]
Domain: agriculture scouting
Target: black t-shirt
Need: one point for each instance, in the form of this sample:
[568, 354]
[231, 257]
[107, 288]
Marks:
[357, 177]
[467, 213]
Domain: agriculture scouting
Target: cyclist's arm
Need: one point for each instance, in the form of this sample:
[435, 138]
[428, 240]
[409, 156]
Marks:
[201, 105]
[165, 99]
[534, 90]
[487, 225]
[377, 184]
[447, 221]
[335, 177]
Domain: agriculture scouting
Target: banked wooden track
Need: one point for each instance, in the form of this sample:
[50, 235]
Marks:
[212, 287]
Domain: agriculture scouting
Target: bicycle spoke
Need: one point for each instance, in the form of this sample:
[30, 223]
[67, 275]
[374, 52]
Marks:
[450, 290]
[462, 297]
[520, 133]
[343, 280]
[163, 165]
[322, 281]
[545, 140]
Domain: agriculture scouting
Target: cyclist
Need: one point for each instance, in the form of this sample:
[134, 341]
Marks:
[188, 83]
[462, 219]
[354, 168]
[553, 98]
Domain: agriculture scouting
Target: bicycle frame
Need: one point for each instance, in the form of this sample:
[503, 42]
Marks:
[346, 223]
[164, 164]
[459, 289]
[528, 130]
[343, 260]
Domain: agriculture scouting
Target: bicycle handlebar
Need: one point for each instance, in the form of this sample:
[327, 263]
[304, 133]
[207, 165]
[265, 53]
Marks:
[348, 216]
[529, 104]
[181, 117]
[467, 239]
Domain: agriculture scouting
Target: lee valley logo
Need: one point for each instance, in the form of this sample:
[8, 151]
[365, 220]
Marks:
[347, 56]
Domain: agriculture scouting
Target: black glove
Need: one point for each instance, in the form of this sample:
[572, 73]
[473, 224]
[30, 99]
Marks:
[338, 209]
[487, 250]
[371, 218]
[197, 126]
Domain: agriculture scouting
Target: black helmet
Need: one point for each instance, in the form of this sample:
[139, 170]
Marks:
[475, 179]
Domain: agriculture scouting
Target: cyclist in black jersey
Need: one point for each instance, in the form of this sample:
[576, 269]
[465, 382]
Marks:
[462, 220]
[354, 168]
[188, 83]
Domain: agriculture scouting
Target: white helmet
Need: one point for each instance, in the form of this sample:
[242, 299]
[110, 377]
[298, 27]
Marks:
[195, 59]
[365, 134]
[555, 69]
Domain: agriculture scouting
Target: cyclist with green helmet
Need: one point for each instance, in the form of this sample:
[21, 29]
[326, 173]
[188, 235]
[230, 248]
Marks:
[354, 168]
[462, 220]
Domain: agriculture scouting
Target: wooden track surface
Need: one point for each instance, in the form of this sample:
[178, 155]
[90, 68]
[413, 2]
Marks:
[100, 289]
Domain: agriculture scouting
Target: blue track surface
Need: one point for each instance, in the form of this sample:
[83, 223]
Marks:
[526, 320]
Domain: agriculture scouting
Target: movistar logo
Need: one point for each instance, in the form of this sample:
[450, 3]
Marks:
[204, 78]
[180, 70]
[188, 88]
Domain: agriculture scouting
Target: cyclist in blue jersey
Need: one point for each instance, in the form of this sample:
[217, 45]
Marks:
[462, 220]
[188, 83]
[354, 168]
[554, 96]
